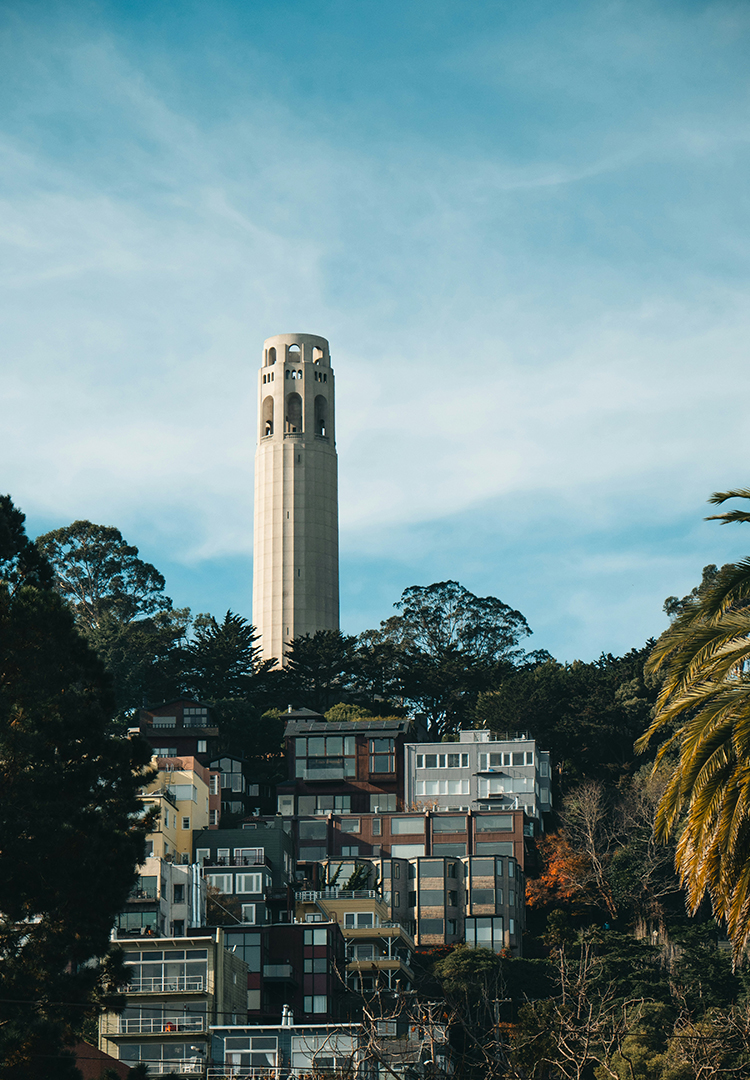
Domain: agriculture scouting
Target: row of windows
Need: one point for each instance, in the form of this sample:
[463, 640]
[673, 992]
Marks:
[443, 787]
[496, 761]
[269, 377]
[236, 883]
[442, 761]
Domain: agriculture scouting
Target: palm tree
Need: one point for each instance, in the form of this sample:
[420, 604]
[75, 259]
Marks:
[703, 715]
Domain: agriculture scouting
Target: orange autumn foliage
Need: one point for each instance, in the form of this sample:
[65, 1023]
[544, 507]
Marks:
[563, 877]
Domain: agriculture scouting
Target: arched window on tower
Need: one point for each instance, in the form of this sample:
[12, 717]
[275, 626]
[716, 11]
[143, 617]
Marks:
[317, 355]
[271, 356]
[293, 412]
[321, 415]
[267, 416]
[294, 354]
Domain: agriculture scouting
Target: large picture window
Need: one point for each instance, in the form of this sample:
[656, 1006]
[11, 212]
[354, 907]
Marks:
[325, 757]
[407, 825]
[485, 932]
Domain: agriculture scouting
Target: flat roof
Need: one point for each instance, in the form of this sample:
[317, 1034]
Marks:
[351, 727]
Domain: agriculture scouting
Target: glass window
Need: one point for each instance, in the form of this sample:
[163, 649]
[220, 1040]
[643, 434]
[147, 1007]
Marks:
[407, 851]
[482, 867]
[420, 761]
[357, 919]
[448, 824]
[430, 761]
[316, 937]
[482, 896]
[313, 830]
[382, 756]
[431, 868]
[494, 823]
[350, 825]
[494, 847]
[382, 804]
[403, 825]
[222, 882]
[431, 926]
[485, 932]
[376, 826]
[431, 897]
[249, 883]
[448, 850]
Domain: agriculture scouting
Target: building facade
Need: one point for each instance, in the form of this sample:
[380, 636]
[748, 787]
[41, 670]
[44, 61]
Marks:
[181, 728]
[179, 987]
[296, 545]
[346, 767]
[480, 771]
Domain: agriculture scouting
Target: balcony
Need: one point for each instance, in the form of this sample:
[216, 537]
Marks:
[309, 896]
[300, 1072]
[149, 893]
[161, 1025]
[278, 971]
[260, 859]
[189, 1067]
[190, 984]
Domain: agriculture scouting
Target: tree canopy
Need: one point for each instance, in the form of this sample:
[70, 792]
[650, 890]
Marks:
[450, 645]
[100, 575]
[71, 831]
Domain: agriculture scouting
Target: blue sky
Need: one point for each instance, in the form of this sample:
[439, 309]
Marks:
[523, 227]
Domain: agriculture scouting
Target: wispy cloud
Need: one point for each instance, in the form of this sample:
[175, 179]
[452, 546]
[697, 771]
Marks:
[532, 271]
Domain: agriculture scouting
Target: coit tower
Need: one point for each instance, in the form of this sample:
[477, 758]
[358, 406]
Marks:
[296, 542]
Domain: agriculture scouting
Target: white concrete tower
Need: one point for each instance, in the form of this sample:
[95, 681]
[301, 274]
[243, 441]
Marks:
[296, 544]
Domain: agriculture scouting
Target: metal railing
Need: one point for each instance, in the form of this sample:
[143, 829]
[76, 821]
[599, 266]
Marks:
[338, 894]
[158, 1025]
[259, 859]
[176, 984]
[311, 1072]
[184, 1067]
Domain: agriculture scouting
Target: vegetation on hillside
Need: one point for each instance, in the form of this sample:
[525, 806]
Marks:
[622, 975]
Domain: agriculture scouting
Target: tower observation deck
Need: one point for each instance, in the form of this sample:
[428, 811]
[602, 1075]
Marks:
[296, 535]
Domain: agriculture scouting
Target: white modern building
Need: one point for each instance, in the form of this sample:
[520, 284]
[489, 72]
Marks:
[296, 544]
[479, 772]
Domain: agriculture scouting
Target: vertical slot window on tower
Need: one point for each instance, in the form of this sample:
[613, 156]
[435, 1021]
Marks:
[293, 413]
[267, 417]
[321, 416]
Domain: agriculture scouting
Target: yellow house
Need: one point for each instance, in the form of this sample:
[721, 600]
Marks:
[182, 790]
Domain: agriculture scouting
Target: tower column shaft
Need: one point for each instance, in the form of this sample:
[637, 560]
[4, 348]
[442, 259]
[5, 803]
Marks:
[295, 554]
